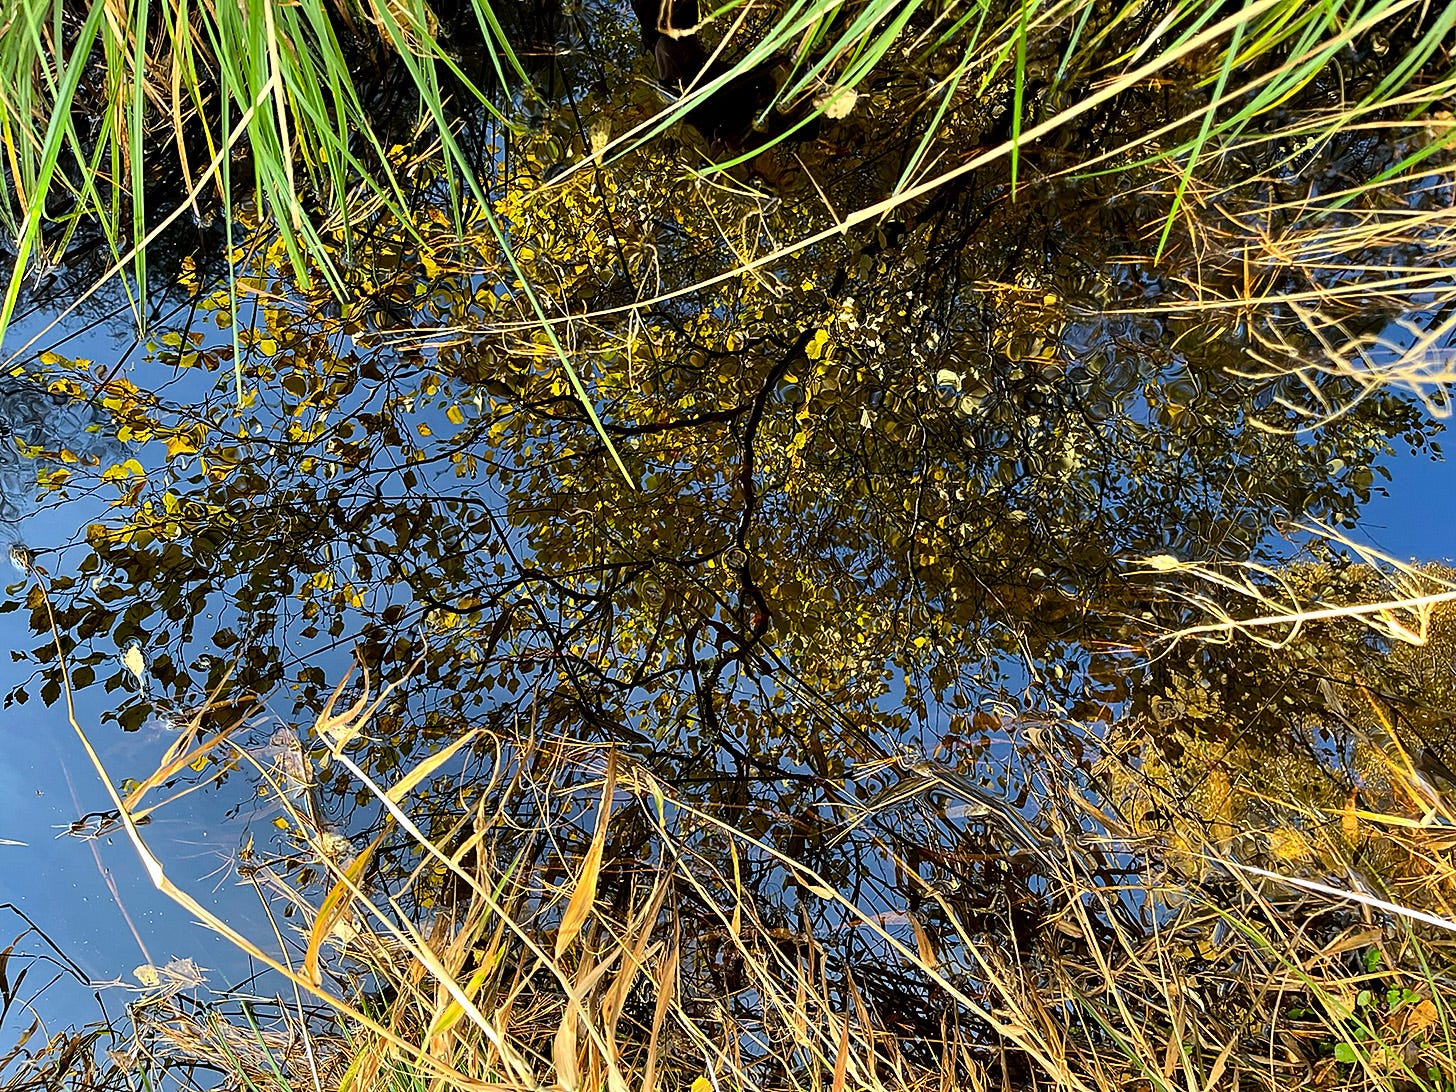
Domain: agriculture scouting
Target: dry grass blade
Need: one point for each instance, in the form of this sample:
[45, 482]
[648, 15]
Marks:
[1405, 616]
[1118, 1001]
[579, 907]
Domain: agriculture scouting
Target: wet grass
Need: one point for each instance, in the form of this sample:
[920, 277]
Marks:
[270, 81]
[262, 104]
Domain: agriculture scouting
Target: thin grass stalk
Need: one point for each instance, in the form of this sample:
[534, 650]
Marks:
[1018, 95]
[1200, 140]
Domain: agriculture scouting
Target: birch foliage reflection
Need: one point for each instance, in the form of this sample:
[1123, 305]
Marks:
[864, 677]
[884, 483]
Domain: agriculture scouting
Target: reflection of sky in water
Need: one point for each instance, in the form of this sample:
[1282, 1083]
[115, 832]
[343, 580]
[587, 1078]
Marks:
[46, 781]
[1413, 516]
[31, 416]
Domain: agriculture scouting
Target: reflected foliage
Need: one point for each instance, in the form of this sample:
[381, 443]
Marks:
[884, 482]
[857, 679]
[46, 432]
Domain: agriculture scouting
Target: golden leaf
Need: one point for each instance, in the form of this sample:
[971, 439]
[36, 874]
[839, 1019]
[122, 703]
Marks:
[180, 444]
[923, 946]
[580, 904]
[837, 103]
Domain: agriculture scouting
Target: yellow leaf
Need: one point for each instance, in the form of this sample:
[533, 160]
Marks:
[702, 1084]
[599, 134]
[179, 443]
[1288, 844]
[455, 415]
[837, 103]
[580, 904]
[815, 349]
[118, 472]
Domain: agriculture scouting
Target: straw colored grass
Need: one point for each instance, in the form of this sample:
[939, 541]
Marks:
[581, 924]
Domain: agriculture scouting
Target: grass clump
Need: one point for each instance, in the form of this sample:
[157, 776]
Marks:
[570, 920]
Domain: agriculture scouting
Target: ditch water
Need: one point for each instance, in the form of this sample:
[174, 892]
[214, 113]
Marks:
[890, 493]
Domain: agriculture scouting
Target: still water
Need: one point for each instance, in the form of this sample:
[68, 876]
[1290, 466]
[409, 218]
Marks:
[880, 497]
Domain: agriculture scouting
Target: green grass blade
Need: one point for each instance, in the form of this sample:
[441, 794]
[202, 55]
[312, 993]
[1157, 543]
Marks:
[33, 222]
[1209, 113]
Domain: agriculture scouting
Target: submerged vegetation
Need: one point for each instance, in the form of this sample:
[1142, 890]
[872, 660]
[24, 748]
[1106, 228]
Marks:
[783, 546]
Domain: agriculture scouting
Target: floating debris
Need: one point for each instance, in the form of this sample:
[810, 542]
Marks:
[134, 659]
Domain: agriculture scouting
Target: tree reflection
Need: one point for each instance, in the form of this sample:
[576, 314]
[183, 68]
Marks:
[881, 481]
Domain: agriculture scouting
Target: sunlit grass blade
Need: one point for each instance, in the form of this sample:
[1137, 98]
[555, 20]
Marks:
[33, 224]
[1197, 147]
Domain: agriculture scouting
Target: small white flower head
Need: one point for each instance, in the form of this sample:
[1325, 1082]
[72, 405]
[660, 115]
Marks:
[21, 559]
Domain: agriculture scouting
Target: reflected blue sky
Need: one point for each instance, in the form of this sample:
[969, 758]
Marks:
[92, 896]
[1417, 521]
